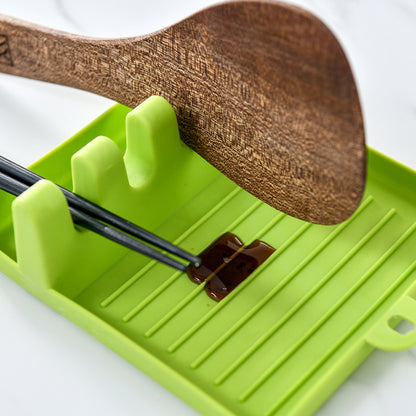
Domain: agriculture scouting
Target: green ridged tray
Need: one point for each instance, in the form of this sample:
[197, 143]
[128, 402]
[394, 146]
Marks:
[279, 344]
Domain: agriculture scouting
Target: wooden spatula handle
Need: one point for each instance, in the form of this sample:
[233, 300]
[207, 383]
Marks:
[35, 52]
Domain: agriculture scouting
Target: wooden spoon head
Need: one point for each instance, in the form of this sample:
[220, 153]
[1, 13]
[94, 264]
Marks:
[267, 96]
[262, 90]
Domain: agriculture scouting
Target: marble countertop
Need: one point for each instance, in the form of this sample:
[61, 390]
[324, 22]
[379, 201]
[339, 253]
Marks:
[49, 366]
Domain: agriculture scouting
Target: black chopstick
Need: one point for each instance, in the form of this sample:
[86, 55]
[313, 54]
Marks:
[16, 187]
[25, 176]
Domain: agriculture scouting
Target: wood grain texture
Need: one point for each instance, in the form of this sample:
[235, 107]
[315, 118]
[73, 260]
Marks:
[262, 90]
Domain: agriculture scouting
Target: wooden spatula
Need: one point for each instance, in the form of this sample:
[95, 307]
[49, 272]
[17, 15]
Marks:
[262, 90]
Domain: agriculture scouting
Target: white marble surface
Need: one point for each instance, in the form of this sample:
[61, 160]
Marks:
[47, 365]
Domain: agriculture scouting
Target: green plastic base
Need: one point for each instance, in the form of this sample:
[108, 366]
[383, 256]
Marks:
[284, 339]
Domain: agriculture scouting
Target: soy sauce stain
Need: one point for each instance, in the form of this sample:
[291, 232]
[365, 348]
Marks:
[226, 263]
[215, 256]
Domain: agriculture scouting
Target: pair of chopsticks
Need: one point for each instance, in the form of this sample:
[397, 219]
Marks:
[16, 179]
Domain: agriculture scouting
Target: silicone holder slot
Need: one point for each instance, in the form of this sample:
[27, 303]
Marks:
[146, 186]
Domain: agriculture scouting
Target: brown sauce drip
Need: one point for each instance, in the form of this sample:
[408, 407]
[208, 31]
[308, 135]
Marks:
[226, 263]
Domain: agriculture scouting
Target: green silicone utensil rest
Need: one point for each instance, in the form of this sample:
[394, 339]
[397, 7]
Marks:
[277, 345]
